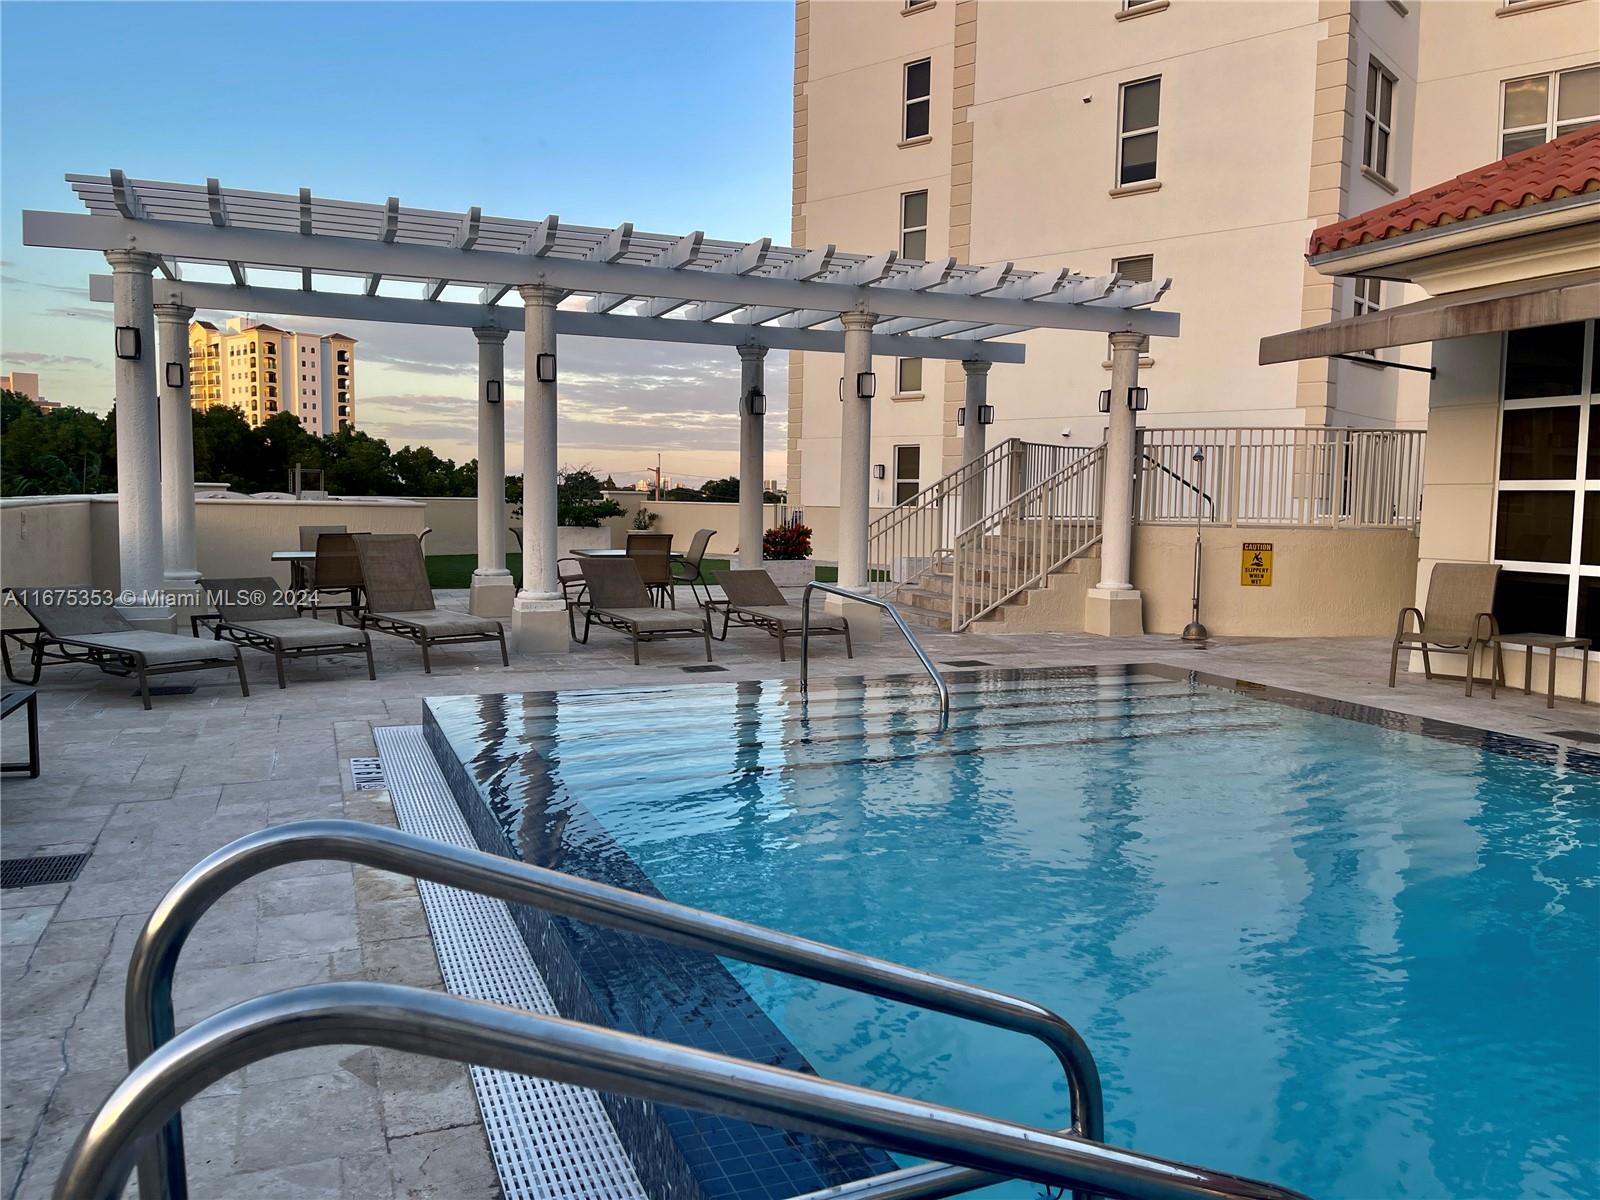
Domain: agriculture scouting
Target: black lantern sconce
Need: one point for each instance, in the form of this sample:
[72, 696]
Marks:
[961, 418]
[1138, 398]
[128, 341]
[866, 385]
[879, 471]
[755, 402]
[175, 375]
[545, 368]
[985, 414]
[493, 391]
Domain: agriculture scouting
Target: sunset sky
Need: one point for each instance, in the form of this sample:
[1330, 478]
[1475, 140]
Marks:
[675, 116]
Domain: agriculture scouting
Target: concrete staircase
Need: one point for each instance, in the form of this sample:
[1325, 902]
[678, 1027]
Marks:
[1057, 607]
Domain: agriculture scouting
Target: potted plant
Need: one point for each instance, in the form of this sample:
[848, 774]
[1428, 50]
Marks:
[785, 551]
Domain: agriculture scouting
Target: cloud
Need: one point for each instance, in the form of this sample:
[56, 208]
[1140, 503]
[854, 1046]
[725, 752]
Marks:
[92, 313]
[33, 358]
[18, 281]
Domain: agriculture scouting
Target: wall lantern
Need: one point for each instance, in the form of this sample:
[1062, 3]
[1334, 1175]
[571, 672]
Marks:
[961, 418]
[1105, 400]
[866, 385]
[545, 368]
[756, 402]
[493, 391]
[879, 471]
[175, 375]
[985, 414]
[1138, 398]
[128, 341]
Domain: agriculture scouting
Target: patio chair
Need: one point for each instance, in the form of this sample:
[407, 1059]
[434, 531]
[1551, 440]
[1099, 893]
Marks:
[1458, 619]
[73, 627]
[399, 600]
[306, 573]
[618, 599]
[337, 569]
[652, 554]
[569, 574]
[754, 600]
[687, 569]
[251, 612]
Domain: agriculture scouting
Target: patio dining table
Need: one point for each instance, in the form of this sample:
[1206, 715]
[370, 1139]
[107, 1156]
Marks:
[298, 560]
[677, 554]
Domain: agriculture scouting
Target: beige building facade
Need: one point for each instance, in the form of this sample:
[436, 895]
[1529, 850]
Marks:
[1197, 140]
[262, 370]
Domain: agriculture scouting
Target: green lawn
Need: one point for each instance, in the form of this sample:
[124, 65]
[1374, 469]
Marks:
[455, 570]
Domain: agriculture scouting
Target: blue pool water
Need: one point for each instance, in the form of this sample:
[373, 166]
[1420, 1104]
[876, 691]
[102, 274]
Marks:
[1343, 957]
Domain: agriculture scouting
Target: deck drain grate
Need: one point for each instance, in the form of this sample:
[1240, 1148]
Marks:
[1577, 735]
[366, 773]
[702, 668]
[169, 689]
[40, 870]
[967, 662]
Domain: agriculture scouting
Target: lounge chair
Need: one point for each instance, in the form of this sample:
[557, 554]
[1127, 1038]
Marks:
[754, 600]
[399, 600]
[618, 600]
[652, 553]
[1459, 618]
[250, 612]
[687, 569]
[71, 627]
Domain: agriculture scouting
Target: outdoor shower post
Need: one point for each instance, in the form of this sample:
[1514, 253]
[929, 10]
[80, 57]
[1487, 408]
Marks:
[855, 470]
[181, 573]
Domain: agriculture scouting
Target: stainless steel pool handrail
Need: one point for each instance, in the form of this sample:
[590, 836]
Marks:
[440, 1025]
[894, 614]
[148, 1008]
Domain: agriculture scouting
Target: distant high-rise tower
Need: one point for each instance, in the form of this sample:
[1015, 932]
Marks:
[262, 370]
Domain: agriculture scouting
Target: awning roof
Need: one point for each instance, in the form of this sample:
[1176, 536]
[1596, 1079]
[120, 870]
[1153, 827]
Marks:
[387, 262]
[1550, 300]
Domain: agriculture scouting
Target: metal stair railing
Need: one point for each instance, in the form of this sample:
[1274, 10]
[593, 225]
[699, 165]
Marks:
[1019, 545]
[440, 1025]
[894, 615]
[148, 1009]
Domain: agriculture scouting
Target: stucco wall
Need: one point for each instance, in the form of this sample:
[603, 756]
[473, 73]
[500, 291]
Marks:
[1325, 583]
[45, 542]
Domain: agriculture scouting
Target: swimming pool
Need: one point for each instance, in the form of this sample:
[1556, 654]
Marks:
[1331, 951]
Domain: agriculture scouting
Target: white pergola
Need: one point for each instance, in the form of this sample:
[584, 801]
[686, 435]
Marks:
[303, 255]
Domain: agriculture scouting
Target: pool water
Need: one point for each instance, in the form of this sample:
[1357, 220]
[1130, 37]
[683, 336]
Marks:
[1343, 957]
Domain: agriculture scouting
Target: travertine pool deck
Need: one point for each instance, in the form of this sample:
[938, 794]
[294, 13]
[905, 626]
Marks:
[150, 793]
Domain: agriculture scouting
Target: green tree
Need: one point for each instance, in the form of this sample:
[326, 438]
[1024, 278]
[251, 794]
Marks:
[580, 500]
[724, 490]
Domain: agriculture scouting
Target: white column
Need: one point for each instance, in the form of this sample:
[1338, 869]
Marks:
[973, 435]
[855, 483]
[538, 618]
[138, 445]
[177, 451]
[492, 589]
[1113, 608]
[752, 460]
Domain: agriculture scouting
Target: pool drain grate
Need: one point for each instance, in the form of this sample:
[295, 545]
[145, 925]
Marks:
[169, 689]
[702, 668]
[40, 870]
[1577, 735]
[366, 773]
[967, 662]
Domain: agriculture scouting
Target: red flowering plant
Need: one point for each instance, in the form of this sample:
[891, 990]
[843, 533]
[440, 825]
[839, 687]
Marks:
[787, 542]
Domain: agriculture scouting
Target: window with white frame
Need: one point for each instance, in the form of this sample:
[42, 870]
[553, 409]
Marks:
[1380, 119]
[916, 120]
[1537, 108]
[914, 226]
[1547, 491]
[908, 377]
[907, 472]
[1138, 122]
[1140, 268]
[1369, 295]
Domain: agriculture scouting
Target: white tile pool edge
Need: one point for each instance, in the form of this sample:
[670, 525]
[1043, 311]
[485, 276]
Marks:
[550, 1141]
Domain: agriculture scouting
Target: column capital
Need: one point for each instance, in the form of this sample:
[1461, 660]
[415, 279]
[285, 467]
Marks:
[178, 314]
[538, 295]
[858, 321]
[752, 353]
[132, 261]
[1128, 340]
[976, 366]
[491, 334]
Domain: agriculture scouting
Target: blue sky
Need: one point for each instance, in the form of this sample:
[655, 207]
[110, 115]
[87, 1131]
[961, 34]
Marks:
[674, 116]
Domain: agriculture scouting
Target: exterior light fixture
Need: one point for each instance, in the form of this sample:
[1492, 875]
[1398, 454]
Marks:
[879, 471]
[985, 414]
[493, 391]
[1105, 400]
[128, 341]
[1138, 399]
[545, 368]
[961, 418]
[866, 385]
[175, 375]
[756, 402]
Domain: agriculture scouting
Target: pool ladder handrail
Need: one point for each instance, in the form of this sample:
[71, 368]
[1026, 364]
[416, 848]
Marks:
[894, 614]
[441, 1025]
[148, 1009]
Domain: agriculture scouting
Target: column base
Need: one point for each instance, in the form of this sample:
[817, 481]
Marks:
[1113, 612]
[492, 594]
[539, 626]
[866, 620]
[155, 619]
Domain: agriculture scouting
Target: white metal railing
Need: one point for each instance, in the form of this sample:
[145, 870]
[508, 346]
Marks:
[904, 544]
[1017, 545]
[1308, 477]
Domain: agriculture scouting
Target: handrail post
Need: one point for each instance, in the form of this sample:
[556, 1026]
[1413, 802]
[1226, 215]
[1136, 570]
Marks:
[916, 646]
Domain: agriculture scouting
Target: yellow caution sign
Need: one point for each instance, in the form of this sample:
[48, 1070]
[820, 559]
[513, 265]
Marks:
[1255, 565]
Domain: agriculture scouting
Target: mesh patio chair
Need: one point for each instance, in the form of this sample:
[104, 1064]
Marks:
[618, 599]
[399, 600]
[652, 554]
[251, 612]
[753, 599]
[337, 569]
[1458, 619]
[687, 568]
[73, 628]
[306, 573]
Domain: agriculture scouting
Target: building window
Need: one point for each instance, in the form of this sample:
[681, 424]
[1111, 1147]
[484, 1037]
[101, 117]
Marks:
[1140, 115]
[919, 100]
[1380, 119]
[908, 377]
[914, 226]
[1141, 268]
[907, 472]
[1369, 295]
[1547, 502]
[1538, 108]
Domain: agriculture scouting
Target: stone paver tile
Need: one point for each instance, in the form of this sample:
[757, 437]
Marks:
[314, 1060]
[409, 961]
[307, 1118]
[87, 940]
[444, 1164]
[420, 1094]
[386, 920]
[306, 933]
[45, 894]
[204, 991]
[284, 895]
